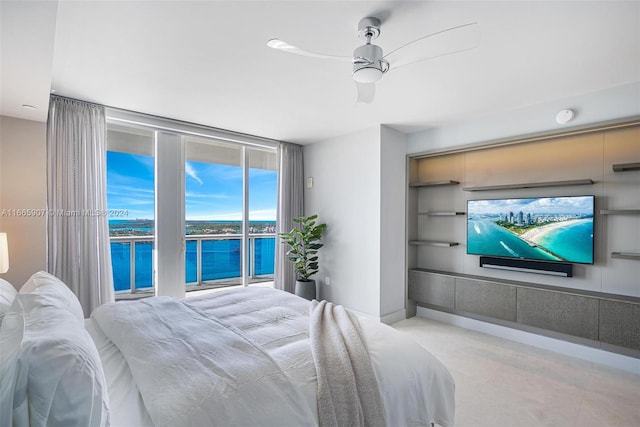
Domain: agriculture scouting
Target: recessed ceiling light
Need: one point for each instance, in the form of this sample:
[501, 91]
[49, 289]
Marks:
[30, 107]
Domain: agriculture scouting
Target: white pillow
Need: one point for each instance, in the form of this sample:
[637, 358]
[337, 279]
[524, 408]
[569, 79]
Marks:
[50, 370]
[52, 291]
[7, 295]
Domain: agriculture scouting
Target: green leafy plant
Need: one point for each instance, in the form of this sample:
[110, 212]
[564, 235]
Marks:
[304, 241]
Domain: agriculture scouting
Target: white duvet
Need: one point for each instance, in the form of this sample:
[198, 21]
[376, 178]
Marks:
[242, 357]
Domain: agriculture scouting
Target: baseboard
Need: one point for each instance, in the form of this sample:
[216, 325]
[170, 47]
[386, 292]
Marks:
[590, 354]
[388, 319]
[394, 317]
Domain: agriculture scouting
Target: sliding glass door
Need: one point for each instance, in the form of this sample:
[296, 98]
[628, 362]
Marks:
[262, 190]
[224, 204]
[213, 212]
[131, 203]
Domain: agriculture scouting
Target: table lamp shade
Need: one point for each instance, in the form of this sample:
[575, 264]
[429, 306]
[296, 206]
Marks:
[4, 253]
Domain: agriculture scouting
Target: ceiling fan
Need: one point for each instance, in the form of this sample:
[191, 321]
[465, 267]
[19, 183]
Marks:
[370, 63]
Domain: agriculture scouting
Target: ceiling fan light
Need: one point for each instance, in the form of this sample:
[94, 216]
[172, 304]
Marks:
[367, 74]
[368, 64]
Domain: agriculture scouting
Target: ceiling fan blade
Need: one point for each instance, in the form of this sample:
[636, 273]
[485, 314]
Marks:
[286, 47]
[441, 43]
[366, 92]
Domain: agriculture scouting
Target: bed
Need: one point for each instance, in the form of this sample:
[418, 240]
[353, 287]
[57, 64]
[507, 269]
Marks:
[240, 357]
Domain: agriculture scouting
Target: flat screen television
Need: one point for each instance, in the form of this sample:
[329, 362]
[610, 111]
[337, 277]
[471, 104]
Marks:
[540, 228]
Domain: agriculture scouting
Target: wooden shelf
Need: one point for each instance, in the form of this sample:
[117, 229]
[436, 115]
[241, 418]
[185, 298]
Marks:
[620, 212]
[441, 213]
[532, 185]
[433, 183]
[433, 243]
[624, 167]
[626, 255]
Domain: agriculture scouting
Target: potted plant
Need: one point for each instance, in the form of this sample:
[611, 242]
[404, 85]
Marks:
[304, 242]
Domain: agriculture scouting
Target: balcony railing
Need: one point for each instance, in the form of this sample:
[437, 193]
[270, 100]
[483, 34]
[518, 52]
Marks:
[210, 259]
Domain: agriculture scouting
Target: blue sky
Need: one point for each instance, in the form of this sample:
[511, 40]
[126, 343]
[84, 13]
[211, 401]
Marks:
[213, 191]
[550, 205]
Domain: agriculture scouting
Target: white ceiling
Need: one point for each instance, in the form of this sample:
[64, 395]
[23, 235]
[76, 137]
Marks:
[206, 61]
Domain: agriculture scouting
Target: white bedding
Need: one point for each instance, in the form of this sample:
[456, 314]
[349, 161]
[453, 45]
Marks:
[242, 357]
[126, 406]
[50, 370]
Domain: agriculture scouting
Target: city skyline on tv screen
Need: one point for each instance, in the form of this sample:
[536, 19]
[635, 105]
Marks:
[538, 228]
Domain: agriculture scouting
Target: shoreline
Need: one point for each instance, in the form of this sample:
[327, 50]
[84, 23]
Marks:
[535, 235]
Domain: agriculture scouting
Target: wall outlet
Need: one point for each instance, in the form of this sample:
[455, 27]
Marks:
[327, 281]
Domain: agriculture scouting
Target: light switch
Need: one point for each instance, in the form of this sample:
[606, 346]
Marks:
[310, 182]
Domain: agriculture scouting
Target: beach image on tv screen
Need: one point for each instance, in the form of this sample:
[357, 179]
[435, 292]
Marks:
[543, 228]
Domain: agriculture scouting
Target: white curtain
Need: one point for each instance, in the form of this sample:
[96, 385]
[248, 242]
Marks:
[290, 205]
[78, 248]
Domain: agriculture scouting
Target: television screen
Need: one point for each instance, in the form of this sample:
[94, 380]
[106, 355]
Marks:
[541, 228]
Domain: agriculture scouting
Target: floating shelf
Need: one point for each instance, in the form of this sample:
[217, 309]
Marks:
[532, 185]
[441, 213]
[433, 243]
[433, 183]
[626, 255]
[623, 167]
[620, 212]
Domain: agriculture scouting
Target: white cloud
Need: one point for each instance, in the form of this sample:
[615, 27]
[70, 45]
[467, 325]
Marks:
[190, 171]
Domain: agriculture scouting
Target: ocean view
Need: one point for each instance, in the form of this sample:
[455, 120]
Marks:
[572, 241]
[539, 228]
[558, 244]
[220, 255]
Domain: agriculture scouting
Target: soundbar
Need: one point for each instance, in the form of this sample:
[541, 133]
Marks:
[563, 269]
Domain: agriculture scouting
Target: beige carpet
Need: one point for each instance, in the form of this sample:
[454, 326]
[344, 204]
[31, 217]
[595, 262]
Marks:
[502, 383]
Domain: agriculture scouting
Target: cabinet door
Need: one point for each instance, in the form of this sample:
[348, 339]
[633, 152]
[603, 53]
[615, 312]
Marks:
[433, 289]
[488, 299]
[620, 324]
[570, 314]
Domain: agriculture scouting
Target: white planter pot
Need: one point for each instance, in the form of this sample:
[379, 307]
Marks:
[306, 290]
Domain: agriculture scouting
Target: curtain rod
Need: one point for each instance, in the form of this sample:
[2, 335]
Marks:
[68, 98]
[121, 115]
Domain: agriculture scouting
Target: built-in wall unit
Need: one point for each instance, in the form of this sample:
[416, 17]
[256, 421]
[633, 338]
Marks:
[538, 234]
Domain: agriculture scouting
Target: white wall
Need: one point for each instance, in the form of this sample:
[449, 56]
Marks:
[359, 190]
[346, 196]
[23, 185]
[393, 245]
[609, 104]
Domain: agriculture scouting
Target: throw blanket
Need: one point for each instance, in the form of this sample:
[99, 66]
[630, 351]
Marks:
[348, 393]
